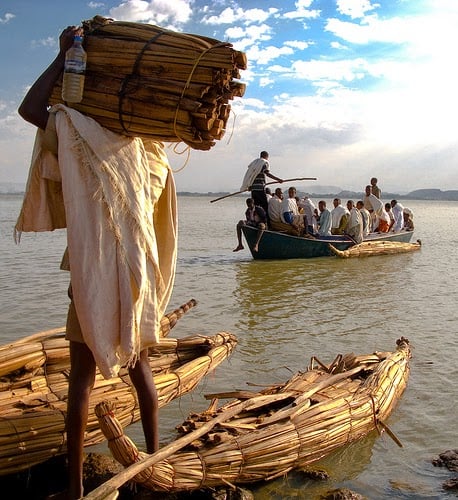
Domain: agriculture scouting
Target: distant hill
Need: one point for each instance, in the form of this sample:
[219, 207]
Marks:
[433, 194]
[418, 194]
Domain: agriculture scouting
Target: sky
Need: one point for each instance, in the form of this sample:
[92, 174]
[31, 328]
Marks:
[340, 90]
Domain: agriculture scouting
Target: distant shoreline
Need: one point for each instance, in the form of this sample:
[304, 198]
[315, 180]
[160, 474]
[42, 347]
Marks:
[419, 194]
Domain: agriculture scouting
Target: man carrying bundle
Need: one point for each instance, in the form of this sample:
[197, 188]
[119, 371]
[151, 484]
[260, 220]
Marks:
[116, 197]
[255, 180]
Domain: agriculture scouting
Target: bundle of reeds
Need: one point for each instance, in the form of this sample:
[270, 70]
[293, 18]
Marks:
[371, 248]
[34, 385]
[263, 435]
[143, 80]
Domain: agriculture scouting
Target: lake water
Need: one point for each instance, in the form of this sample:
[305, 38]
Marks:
[283, 312]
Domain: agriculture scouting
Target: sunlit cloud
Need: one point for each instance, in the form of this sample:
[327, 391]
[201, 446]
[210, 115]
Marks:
[245, 16]
[355, 8]
[162, 12]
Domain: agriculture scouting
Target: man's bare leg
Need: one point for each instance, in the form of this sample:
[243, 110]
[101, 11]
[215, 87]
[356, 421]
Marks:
[142, 378]
[239, 237]
[261, 230]
[81, 381]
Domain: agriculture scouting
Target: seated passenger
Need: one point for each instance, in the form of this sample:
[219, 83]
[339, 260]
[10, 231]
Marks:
[290, 212]
[408, 222]
[255, 216]
[274, 207]
[366, 217]
[383, 221]
[309, 209]
[390, 213]
[339, 217]
[397, 210]
[354, 227]
[323, 220]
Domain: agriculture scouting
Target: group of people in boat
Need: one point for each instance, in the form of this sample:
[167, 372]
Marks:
[300, 217]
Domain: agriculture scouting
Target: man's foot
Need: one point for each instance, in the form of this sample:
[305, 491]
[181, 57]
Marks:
[255, 248]
[238, 248]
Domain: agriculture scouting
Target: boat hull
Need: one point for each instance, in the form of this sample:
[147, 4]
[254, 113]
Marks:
[278, 246]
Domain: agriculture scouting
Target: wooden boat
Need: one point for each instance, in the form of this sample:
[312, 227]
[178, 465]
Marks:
[278, 245]
[263, 435]
[34, 383]
[371, 248]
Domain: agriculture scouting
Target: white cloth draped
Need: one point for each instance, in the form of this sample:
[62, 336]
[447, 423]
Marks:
[121, 219]
[253, 169]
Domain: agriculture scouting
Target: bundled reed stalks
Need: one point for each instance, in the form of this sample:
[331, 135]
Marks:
[371, 248]
[263, 435]
[34, 384]
[143, 80]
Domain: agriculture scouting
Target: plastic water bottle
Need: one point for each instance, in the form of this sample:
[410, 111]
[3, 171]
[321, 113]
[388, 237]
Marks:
[74, 70]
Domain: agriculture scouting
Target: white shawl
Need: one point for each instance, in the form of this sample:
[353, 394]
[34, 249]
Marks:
[120, 210]
[253, 170]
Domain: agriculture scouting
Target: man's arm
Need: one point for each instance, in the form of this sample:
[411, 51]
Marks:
[34, 107]
[272, 176]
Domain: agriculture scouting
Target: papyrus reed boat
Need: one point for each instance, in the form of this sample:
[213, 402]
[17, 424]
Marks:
[371, 248]
[34, 383]
[263, 435]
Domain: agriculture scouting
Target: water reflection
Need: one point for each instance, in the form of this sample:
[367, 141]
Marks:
[344, 464]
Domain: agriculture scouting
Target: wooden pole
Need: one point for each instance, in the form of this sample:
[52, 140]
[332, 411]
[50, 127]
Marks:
[109, 488]
[267, 184]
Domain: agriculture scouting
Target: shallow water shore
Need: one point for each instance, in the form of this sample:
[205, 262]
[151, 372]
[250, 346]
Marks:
[47, 481]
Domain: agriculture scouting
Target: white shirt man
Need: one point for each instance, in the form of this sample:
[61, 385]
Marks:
[355, 222]
[274, 209]
[309, 211]
[289, 207]
[339, 217]
[397, 210]
[366, 218]
[290, 211]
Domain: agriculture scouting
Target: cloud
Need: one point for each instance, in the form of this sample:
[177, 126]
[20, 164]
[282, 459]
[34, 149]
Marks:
[247, 17]
[297, 44]
[302, 11]
[347, 70]
[44, 42]
[266, 54]
[161, 12]
[371, 29]
[7, 18]
[355, 8]
[249, 35]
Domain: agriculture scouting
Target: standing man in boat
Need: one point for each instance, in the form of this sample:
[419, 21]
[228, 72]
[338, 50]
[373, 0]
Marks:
[255, 179]
[104, 188]
[376, 191]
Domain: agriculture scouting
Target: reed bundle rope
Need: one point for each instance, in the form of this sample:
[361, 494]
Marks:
[33, 396]
[314, 416]
[143, 80]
